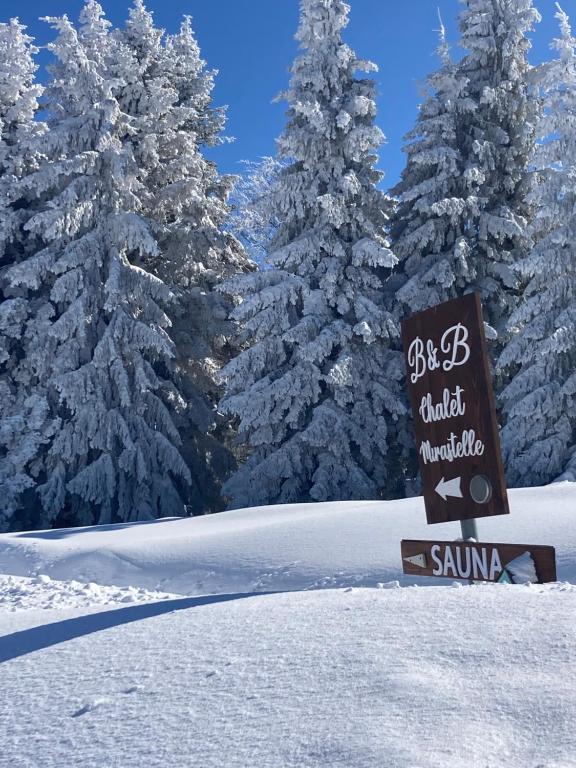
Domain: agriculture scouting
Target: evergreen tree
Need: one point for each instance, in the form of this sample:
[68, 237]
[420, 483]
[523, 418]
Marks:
[19, 96]
[167, 92]
[464, 194]
[435, 199]
[115, 455]
[539, 439]
[501, 111]
[315, 392]
[24, 425]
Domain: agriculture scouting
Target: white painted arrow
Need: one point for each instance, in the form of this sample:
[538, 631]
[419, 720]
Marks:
[449, 488]
[419, 560]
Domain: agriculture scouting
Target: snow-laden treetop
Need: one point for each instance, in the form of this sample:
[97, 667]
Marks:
[315, 391]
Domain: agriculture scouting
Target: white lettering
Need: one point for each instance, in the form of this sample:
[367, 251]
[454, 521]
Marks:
[416, 359]
[434, 555]
[454, 448]
[424, 357]
[433, 363]
[495, 564]
[480, 563]
[449, 562]
[451, 406]
[464, 562]
[467, 570]
[453, 343]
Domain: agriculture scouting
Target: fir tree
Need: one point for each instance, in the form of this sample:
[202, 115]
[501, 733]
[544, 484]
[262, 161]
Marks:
[464, 194]
[539, 439]
[435, 199]
[167, 91]
[24, 425]
[315, 392]
[19, 94]
[501, 110]
[115, 455]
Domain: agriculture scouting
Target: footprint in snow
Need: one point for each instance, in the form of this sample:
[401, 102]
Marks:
[132, 689]
[90, 707]
[97, 703]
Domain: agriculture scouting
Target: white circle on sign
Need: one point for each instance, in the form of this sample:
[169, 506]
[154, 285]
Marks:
[480, 489]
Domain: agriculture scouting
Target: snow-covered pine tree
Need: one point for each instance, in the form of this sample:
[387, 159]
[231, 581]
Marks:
[465, 233]
[19, 94]
[194, 84]
[435, 199]
[501, 110]
[316, 390]
[539, 439]
[167, 93]
[115, 456]
[24, 426]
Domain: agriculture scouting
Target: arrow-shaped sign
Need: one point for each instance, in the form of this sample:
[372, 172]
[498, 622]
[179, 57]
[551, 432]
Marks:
[419, 560]
[447, 488]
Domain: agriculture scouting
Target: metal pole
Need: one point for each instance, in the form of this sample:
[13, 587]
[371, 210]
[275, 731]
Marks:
[469, 531]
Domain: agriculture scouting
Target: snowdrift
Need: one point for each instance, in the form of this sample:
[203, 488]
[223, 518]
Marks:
[306, 546]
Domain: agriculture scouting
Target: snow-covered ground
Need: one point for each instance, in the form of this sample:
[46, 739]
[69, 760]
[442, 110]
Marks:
[144, 645]
[18, 593]
[305, 546]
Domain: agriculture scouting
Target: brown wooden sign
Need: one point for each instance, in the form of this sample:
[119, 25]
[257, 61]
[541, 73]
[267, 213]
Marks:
[450, 389]
[504, 563]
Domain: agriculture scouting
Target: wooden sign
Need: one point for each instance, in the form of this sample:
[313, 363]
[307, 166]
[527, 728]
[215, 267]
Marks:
[449, 381]
[504, 563]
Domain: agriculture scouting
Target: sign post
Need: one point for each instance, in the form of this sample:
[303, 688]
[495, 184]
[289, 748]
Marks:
[503, 563]
[454, 413]
[449, 383]
[469, 529]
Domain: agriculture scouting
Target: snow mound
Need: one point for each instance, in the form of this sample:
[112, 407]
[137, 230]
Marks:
[18, 593]
[283, 548]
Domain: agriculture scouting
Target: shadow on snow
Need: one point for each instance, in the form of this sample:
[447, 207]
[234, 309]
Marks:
[63, 533]
[37, 638]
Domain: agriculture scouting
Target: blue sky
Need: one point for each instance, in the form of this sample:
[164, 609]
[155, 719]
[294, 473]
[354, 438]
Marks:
[251, 43]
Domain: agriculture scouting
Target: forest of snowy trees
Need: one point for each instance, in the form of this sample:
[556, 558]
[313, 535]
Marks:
[174, 341]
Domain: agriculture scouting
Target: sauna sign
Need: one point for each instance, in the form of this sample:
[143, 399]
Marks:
[454, 414]
[502, 563]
